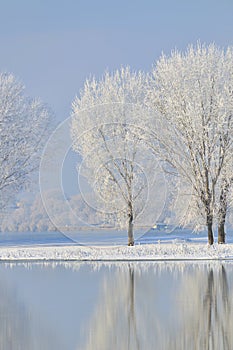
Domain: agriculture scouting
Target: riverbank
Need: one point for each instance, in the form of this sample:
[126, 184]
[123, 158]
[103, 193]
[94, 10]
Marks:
[147, 252]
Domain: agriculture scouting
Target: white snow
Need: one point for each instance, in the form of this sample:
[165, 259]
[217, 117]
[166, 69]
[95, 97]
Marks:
[165, 251]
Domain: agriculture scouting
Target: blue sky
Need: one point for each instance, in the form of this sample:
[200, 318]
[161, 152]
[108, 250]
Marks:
[53, 45]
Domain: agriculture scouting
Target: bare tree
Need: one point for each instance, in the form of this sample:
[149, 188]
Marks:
[224, 195]
[192, 97]
[24, 125]
[118, 165]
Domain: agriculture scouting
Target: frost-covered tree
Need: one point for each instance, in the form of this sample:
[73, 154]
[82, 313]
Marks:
[30, 213]
[192, 92]
[225, 193]
[118, 165]
[24, 125]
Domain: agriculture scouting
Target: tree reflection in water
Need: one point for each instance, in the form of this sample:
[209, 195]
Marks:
[114, 324]
[190, 308]
[207, 311]
[19, 328]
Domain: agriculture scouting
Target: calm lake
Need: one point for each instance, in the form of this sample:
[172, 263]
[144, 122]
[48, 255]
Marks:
[102, 306]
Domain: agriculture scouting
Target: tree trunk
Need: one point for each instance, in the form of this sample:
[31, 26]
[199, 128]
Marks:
[222, 213]
[221, 232]
[210, 233]
[209, 224]
[130, 231]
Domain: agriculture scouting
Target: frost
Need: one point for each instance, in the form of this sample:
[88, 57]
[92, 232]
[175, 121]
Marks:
[24, 126]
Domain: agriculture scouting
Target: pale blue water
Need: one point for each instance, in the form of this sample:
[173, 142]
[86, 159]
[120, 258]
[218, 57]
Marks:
[104, 237]
[119, 306]
[33, 238]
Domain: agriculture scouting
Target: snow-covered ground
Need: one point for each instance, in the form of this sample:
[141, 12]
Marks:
[151, 246]
[167, 251]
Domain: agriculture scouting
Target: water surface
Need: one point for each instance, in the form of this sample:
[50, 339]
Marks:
[102, 306]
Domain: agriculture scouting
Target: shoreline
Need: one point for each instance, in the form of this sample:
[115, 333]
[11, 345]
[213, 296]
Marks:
[120, 253]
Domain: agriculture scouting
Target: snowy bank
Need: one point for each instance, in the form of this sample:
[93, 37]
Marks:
[165, 251]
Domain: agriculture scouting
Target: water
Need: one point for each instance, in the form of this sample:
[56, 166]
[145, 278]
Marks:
[102, 237]
[82, 237]
[33, 238]
[136, 306]
[95, 237]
